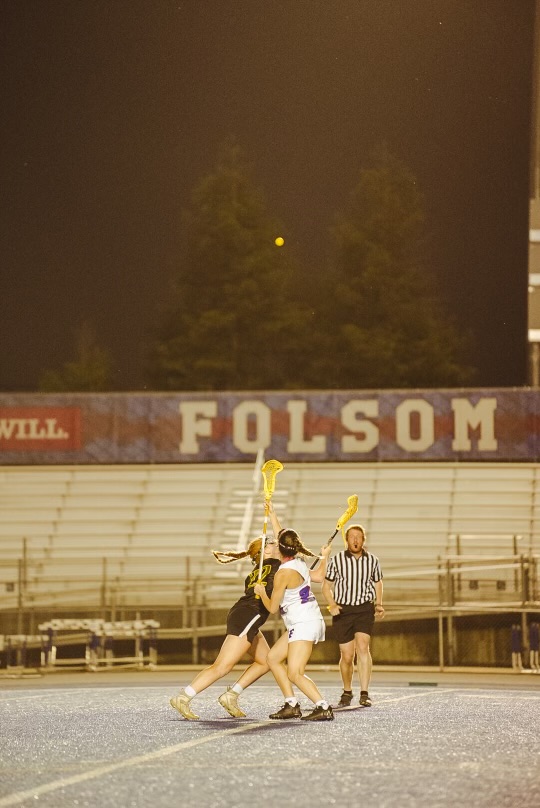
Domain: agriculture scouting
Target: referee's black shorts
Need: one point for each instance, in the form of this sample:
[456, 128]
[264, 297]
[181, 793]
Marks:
[353, 619]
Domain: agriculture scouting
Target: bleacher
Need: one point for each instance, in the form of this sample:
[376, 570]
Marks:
[141, 536]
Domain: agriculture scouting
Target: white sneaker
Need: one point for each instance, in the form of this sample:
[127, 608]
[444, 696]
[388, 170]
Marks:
[229, 700]
[181, 703]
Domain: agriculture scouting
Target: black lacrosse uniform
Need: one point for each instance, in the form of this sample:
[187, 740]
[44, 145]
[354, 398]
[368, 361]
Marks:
[249, 613]
[354, 591]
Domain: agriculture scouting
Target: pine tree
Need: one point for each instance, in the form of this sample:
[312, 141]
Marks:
[391, 330]
[89, 372]
[231, 323]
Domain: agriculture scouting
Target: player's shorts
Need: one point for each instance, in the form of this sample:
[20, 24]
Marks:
[353, 619]
[242, 622]
[312, 630]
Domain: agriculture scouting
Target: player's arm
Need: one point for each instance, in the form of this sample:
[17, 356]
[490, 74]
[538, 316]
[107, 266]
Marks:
[269, 580]
[280, 584]
[317, 575]
[276, 527]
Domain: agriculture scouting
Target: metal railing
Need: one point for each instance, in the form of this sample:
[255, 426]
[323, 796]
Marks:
[453, 583]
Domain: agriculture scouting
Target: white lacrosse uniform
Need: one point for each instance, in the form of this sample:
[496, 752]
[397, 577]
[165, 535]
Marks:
[299, 608]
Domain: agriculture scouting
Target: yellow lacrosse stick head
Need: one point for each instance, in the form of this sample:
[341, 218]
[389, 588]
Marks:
[269, 471]
[344, 518]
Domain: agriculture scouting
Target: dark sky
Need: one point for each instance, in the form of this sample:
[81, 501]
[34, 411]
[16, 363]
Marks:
[112, 110]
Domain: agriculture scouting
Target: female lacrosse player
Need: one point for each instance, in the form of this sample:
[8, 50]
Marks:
[243, 634]
[302, 616]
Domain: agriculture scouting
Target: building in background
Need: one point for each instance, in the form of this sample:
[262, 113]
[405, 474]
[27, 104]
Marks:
[534, 216]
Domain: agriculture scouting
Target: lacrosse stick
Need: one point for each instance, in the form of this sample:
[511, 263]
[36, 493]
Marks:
[351, 510]
[268, 471]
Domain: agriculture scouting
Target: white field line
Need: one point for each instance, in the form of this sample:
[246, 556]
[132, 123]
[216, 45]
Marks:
[11, 695]
[56, 691]
[499, 696]
[52, 691]
[64, 782]
[491, 695]
[431, 692]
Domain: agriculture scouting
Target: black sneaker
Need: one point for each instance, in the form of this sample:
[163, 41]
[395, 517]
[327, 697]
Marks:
[319, 714]
[345, 700]
[365, 701]
[287, 711]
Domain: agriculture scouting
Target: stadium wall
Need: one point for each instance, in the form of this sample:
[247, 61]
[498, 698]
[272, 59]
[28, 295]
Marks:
[496, 425]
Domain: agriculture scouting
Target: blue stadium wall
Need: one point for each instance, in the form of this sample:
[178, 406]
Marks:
[350, 426]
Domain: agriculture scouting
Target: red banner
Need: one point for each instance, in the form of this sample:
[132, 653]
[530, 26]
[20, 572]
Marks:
[35, 429]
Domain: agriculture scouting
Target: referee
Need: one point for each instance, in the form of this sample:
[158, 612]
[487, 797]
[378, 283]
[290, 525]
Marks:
[353, 589]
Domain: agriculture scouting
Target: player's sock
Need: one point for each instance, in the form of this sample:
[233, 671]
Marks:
[237, 688]
[322, 703]
[292, 700]
[190, 692]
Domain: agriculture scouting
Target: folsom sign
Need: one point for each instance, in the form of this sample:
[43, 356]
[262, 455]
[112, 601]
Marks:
[414, 426]
[447, 425]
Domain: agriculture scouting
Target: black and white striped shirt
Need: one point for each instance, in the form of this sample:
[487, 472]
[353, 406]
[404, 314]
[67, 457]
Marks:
[354, 578]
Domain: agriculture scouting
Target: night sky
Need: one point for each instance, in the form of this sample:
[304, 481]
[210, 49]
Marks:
[113, 109]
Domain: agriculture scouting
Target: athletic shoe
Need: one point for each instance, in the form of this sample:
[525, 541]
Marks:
[365, 701]
[345, 700]
[287, 711]
[319, 714]
[229, 700]
[181, 703]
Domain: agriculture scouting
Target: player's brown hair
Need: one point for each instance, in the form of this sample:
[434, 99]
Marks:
[290, 544]
[253, 551]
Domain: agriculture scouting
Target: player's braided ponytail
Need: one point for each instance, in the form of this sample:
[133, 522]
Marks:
[253, 551]
[290, 544]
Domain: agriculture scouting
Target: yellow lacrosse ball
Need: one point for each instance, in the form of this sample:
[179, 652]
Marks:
[279, 242]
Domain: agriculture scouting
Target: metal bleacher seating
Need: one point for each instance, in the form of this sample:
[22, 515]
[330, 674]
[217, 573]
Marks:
[143, 535]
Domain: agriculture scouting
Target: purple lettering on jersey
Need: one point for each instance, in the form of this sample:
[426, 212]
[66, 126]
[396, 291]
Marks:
[305, 594]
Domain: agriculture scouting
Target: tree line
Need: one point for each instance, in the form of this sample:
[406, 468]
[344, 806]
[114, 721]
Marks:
[245, 314]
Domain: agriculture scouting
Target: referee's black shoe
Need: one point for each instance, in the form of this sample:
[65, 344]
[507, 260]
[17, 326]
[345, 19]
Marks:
[287, 711]
[345, 700]
[319, 714]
